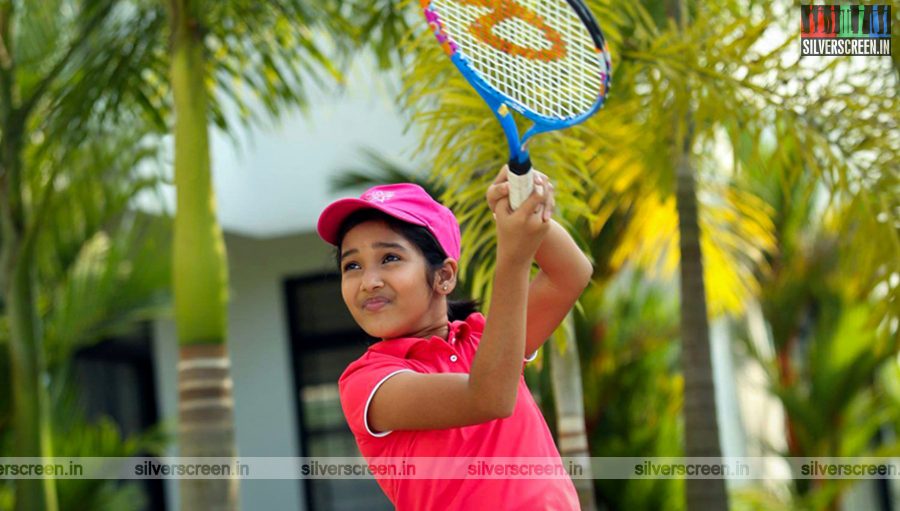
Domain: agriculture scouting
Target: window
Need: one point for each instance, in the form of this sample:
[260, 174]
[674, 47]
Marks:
[115, 379]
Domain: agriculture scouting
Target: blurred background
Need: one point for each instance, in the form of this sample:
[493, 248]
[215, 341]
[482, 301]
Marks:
[740, 204]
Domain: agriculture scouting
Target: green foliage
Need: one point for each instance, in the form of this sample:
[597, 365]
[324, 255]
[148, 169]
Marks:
[99, 272]
[84, 97]
[830, 298]
[760, 115]
[835, 362]
[6, 486]
[98, 264]
[66, 49]
[112, 284]
[5, 396]
[74, 435]
[632, 385]
[304, 45]
[379, 26]
[77, 436]
[272, 68]
[74, 127]
[616, 167]
[377, 170]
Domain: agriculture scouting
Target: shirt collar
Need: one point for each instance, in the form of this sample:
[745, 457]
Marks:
[401, 346]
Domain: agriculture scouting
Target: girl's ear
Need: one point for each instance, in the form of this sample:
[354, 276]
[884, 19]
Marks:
[445, 277]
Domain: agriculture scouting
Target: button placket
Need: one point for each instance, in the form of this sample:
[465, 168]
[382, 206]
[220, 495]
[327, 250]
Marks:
[452, 338]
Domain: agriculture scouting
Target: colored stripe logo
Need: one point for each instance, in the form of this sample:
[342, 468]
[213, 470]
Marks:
[845, 29]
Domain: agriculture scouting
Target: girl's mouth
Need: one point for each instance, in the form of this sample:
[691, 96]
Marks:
[374, 304]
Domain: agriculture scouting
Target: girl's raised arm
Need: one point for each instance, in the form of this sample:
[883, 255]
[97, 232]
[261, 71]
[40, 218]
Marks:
[414, 401]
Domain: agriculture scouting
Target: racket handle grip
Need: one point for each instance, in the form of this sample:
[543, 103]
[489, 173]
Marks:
[521, 181]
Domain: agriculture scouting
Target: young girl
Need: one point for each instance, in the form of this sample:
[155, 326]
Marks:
[444, 381]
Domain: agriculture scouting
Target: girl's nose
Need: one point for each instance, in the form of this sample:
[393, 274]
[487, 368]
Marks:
[371, 281]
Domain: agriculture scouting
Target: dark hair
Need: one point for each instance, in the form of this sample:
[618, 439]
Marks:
[423, 240]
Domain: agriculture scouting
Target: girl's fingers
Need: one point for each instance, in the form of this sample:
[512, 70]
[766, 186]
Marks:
[549, 198]
[496, 192]
[531, 203]
[549, 209]
[544, 203]
[502, 206]
[502, 176]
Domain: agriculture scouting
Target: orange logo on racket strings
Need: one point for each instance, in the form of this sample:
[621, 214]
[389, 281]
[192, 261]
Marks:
[502, 10]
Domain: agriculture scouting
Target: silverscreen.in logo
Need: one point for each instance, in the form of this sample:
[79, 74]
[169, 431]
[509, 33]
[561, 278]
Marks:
[845, 29]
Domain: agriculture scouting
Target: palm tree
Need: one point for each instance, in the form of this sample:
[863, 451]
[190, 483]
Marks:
[70, 69]
[639, 157]
[571, 428]
[52, 58]
[709, 79]
[829, 300]
[98, 273]
[276, 63]
[653, 59]
[206, 419]
[678, 88]
[701, 427]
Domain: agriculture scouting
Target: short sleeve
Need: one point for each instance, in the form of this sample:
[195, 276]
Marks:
[476, 322]
[357, 386]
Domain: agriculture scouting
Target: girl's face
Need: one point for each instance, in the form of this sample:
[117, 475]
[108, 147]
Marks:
[384, 284]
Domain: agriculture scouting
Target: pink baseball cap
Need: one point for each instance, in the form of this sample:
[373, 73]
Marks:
[405, 201]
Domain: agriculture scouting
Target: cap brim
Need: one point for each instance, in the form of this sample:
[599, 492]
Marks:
[333, 217]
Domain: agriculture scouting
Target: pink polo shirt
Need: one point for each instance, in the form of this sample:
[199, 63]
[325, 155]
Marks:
[523, 434]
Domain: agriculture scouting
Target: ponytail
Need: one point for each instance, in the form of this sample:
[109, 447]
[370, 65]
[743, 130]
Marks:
[459, 310]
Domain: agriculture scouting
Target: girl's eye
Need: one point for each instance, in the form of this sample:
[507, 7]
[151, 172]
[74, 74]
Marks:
[389, 258]
[350, 266]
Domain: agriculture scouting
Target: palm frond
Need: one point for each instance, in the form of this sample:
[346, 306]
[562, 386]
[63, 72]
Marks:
[378, 169]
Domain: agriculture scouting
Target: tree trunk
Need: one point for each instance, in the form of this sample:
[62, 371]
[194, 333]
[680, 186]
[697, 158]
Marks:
[565, 376]
[30, 407]
[206, 407]
[701, 426]
[700, 422]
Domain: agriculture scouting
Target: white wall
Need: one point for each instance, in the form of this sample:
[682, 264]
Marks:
[265, 406]
[272, 179]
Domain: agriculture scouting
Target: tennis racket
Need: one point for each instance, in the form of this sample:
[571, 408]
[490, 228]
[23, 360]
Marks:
[546, 59]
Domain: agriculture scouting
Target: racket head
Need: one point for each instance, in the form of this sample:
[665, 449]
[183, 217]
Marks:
[546, 59]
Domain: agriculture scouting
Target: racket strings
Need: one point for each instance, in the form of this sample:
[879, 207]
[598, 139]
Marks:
[548, 63]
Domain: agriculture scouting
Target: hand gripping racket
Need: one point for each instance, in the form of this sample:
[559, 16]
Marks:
[545, 59]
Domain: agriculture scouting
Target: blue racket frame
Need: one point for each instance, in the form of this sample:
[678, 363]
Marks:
[495, 100]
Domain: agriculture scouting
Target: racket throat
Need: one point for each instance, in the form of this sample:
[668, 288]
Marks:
[520, 165]
[521, 181]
